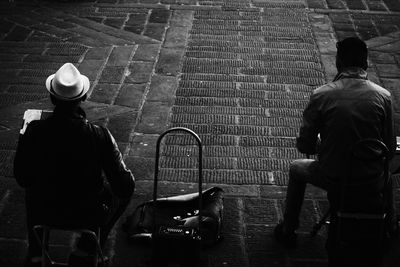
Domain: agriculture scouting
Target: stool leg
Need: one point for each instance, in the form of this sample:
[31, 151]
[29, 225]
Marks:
[45, 247]
[319, 224]
[41, 233]
[99, 249]
[96, 239]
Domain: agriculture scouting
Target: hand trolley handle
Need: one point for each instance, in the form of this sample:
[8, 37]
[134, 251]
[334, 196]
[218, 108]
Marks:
[200, 169]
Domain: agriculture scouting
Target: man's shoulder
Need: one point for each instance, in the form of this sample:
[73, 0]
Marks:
[99, 130]
[338, 85]
[96, 128]
[327, 88]
[379, 89]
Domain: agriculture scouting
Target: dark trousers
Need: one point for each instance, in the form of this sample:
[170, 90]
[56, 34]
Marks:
[302, 172]
[35, 216]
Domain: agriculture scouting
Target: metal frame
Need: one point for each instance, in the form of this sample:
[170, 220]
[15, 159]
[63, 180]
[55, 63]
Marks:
[200, 170]
[44, 242]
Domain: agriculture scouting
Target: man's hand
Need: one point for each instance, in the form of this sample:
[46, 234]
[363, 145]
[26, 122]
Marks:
[308, 148]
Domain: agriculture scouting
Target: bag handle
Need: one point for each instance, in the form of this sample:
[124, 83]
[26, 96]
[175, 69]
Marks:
[200, 169]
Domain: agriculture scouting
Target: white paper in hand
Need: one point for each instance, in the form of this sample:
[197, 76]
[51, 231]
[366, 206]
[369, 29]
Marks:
[33, 115]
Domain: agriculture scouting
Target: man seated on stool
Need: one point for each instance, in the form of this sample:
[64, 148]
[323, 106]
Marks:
[60, 162]
[342, 112]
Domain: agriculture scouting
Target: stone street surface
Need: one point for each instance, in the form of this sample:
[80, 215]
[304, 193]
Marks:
[237, 72]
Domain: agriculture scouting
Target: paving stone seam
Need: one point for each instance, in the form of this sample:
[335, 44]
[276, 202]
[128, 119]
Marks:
[367, 12]
[308, 260]
[40, 23]
[4, 127]
[242, 231]
[4, 200]
[163, 6]
[384, 4]
[11, 29]
[98, 76]
[9, 239]
[135, 5]
[195, 8]
[365, 4]
[29, 35]
[125, 21]
[239, 190]
[147, 20]
[14, 26]
[329, 73]
[144, 98]
[83, 55]
[117, 34]
[376, 42]
[126, 69]
[324, 3]
[42, 31]
[375, 27]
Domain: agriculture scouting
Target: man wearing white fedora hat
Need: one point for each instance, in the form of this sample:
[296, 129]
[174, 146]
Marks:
[67, 84]
[60, 161]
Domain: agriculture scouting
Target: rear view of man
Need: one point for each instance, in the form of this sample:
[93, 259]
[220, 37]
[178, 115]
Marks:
[341, 112]
[61, 162]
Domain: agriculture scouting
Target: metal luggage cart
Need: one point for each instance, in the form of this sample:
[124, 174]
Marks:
[177, 244]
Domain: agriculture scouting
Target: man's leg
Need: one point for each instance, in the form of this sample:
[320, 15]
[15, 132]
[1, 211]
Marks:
[391, 221]
[302, 171]
[117, 208]
[34, 216]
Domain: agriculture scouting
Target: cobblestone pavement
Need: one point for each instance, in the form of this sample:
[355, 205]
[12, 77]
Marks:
[238, 73]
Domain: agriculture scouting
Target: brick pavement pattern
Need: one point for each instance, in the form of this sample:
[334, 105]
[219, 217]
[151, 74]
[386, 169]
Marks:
[237, 72]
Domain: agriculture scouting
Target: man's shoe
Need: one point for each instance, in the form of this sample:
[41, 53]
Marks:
[33, 262]
[288, 240]
[79, 258]
[103, 263]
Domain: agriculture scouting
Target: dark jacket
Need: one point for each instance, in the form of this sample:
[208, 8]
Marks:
[60, 161]
[343, 112]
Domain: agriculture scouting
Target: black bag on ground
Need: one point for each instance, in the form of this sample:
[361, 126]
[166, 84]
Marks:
[179, 210]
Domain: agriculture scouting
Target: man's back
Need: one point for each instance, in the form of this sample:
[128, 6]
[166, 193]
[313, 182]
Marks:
[66, 155]
[60, 162]
[344, 112]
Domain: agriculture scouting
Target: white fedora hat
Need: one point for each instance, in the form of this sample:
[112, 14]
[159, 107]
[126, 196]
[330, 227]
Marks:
[67, 83]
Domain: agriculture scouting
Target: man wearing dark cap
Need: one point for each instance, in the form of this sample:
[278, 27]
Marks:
[338, 115]
[60, 161]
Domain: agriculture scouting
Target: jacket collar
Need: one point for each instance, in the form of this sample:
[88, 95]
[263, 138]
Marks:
[76, 113]
[352, 72]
